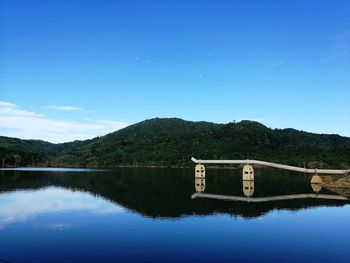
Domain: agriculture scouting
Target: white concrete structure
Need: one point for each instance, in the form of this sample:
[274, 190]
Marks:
[316, 179]
[199, 171]
[273, 165]
[248, 173]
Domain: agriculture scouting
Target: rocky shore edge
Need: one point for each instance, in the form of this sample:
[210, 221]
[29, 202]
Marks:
[338, 185]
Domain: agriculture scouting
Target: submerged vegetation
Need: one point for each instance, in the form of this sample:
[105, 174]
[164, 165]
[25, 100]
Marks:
[166, 142]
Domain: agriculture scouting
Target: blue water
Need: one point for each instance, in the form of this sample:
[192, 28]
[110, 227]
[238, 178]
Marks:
[131, 215]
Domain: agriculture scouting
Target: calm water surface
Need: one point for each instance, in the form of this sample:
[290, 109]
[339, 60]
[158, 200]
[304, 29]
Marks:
[163, 215]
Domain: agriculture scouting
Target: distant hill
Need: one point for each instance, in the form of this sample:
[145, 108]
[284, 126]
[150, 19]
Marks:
[171, 141]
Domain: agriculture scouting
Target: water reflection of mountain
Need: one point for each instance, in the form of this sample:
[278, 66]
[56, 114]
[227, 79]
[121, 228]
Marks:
[167, 192]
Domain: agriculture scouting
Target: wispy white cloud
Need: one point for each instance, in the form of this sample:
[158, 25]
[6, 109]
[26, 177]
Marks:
[10, 110]
[21, 123]
[340, 47]
[141, 60]
[7, 104]
[64, 108]
[275, 65]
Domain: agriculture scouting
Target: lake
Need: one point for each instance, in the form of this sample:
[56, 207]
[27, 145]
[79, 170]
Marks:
[165, 215]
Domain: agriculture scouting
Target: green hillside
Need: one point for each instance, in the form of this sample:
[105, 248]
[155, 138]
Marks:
[165, 142]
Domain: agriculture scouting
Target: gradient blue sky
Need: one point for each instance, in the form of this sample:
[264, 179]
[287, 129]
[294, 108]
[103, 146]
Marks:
[77, 69]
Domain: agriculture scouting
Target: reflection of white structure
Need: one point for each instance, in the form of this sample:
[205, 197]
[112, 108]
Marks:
[267, 199]
[248, 188]
[199, 185]
[316, 187]
[248, 191]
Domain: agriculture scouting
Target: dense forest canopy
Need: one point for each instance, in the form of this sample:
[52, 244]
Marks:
[171, 141]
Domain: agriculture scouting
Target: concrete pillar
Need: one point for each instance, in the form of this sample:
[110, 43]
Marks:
[199, 171]
[248, 173]
[199, 178]
[248, 188]
[316, 179]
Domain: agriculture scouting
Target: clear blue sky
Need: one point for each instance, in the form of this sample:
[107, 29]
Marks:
[94, 66]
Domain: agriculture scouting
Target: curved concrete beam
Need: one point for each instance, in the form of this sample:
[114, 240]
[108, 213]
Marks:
[273, 165]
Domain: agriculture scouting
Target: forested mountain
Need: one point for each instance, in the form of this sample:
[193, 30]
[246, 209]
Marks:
[165, 142]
